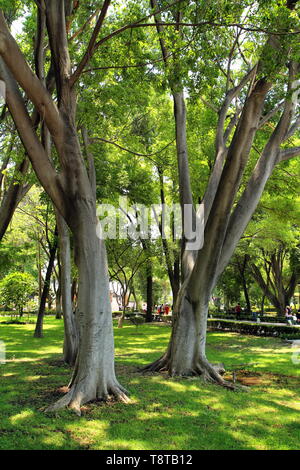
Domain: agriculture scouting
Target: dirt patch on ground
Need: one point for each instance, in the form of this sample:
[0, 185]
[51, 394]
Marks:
[253, 378]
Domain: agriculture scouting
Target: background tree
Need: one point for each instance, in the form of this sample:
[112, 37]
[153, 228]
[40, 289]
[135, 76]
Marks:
[16, 289]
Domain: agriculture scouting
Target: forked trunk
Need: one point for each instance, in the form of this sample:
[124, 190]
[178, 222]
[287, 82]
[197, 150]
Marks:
[94, 375]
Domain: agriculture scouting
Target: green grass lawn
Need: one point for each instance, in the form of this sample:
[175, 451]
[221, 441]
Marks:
[164, 413]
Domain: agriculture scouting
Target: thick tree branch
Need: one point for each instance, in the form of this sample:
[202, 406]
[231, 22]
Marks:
[231, 94]
[12, 197]
[30, 83]
[39, 52]
[269, 115]
[90, 159]
[221, 137]
[286, 154]
[256, 184]
[39, 160]
[146, 155]
[92, 43]
[294, 128]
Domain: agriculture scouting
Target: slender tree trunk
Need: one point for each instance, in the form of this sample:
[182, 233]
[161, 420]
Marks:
[173, 269]
[246, 294]
[39, 268]
[49, 300]
[242, 270]
[70, 347]
[149, 293]
[38, 333]
[58, 306]
[136, 301]
[262, 307]
[122, 317]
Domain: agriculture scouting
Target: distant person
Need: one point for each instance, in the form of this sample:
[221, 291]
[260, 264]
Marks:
[253, 315]
[288, 311]
[238, 310]
[167, 309]
[290, 318]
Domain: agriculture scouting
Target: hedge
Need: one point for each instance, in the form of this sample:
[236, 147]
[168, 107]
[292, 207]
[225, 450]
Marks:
[257, 329]
[263, 318]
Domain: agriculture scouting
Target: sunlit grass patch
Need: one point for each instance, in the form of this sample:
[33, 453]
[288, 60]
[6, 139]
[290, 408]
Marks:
[164, 413]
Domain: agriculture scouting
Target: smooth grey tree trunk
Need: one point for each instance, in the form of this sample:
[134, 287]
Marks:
[70, 347]
[71, 191]
[94, 374]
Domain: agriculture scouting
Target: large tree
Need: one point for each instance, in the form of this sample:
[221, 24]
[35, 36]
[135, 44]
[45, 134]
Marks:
[227, 211]
[71, 188]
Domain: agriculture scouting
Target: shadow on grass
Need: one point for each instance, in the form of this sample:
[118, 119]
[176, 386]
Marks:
[164, 413]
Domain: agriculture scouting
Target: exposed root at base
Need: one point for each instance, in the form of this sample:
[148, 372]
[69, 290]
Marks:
[204, 370]
[74, 399]
[160, 365]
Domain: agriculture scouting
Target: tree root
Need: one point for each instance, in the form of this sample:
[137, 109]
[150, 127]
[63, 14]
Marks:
[159, 365]
[208, 372]
[76, 397]
[61, 403]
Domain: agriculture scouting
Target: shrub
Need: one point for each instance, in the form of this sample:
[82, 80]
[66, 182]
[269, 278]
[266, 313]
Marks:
[247, 316]
[256, 329]
[16, 290]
